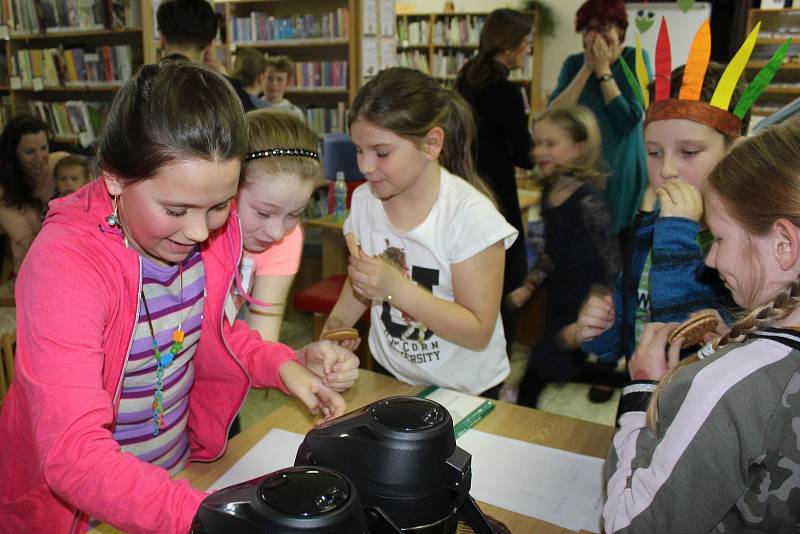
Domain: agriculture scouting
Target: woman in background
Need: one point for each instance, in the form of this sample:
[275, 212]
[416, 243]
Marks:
[503, 139]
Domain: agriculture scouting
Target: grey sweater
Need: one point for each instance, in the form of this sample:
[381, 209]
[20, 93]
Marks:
[726, 453]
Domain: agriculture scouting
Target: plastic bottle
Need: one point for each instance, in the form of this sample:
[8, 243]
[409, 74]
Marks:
[339, 197]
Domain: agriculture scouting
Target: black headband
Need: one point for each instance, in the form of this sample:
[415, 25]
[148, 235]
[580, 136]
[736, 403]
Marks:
[278, 152]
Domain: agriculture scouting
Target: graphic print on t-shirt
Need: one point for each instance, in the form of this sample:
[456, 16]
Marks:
[408, 336]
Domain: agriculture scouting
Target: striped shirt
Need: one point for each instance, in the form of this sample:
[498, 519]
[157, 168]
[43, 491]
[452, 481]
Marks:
[168, 309]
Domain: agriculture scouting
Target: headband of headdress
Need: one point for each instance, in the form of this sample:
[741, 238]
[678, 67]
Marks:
[688, 104]
[279, 152]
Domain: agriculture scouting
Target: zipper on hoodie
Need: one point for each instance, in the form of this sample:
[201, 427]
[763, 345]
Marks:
[120, 380]
[225, 342]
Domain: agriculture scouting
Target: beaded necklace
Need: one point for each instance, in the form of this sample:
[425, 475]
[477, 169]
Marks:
[163, 360]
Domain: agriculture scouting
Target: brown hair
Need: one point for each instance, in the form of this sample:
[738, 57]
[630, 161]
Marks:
[249, 65]
[280, 64]
[171, 110]
[579, 122]
[274, 128]
[503, 30]
[757, 183]
[410, 103]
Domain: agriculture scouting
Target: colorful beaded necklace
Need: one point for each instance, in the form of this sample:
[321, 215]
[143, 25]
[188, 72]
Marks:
[163, 360]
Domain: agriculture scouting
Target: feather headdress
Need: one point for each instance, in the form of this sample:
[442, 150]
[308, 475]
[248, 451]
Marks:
[688, 104]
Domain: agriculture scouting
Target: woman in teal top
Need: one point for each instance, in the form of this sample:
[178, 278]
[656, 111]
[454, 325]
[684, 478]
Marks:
[595, 79]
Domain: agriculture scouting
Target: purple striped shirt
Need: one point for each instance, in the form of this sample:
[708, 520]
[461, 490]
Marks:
[168, 309]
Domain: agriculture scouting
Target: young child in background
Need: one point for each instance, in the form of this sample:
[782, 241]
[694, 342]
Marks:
[71, 173]
[279, 174]
[581, 248]
[250, 70]
[719, 450]
[427, 244]
[279, 71]
[128, 362]
[665, 278]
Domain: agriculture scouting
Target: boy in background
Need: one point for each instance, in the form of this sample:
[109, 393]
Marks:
[279, 69]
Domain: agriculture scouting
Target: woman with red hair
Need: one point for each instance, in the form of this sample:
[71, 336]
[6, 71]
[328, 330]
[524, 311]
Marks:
[595, 79]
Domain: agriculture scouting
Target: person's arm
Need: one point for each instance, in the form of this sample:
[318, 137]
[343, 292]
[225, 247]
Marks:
[345, 313]
[477, 287]
[267, 320]
[571, 92]
[21, 226]
[63, 316]
[605, 342]
[596, 219]
[623, 106]
[688, 474]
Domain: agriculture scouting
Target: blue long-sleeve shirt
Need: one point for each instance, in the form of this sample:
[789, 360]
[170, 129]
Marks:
[680, 282]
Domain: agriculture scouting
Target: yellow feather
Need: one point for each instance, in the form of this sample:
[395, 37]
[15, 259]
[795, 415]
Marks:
[727, 83]
[641, 73]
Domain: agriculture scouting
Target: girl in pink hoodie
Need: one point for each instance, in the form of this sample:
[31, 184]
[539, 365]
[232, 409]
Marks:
[130, 362]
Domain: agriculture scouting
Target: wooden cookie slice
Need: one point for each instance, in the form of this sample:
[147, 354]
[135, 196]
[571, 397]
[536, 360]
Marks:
[341, 334]
[693, 330]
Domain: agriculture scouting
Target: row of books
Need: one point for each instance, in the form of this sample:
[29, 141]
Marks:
[72, 67]
[458, 31]
[75, 119]
[452, 31]
[5, 111]
[262, 27]
[320, 74]
[325, 120]
[52, 16]
[415, 60]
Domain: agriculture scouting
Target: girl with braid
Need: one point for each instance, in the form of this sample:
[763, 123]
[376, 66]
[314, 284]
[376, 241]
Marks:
[716, 447]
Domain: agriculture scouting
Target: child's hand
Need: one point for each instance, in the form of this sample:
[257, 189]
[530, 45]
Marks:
[333, 323]
[517, 298]
[680, 199]
[652, 359]
[719, 331]
[374, 279]
[596, 315]
[337, 366]
[319, 399]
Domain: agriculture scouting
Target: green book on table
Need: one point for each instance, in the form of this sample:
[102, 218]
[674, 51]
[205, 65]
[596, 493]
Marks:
[466, 410]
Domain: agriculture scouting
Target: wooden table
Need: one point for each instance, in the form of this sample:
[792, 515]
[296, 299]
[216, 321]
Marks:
[508, 420]
[334, 249]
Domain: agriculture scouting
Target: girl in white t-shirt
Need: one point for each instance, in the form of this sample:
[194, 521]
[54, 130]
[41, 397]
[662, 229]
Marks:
[279, 174]
[427, 243]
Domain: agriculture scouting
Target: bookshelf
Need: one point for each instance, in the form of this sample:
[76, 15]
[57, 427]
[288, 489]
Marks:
[440, 43]
[319, 37]
[64, 60]
[776, 26]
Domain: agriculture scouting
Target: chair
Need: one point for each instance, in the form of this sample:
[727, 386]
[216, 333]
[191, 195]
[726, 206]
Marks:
[8, 339]
[319, 299]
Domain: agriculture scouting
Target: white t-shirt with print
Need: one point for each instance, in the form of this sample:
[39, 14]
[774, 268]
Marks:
[462, 223]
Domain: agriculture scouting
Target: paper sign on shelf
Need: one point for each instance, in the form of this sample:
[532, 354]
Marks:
[38, 84]
[4, 32]
[15, 82]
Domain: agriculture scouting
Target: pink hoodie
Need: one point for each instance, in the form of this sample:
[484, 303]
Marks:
[77, 300]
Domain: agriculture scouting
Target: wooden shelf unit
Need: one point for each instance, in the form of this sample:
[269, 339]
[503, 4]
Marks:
[265, 17]
[776, 26]
[424, 40]
[34, 75]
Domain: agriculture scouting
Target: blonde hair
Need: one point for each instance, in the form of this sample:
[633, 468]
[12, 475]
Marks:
[280, 64]
[72, 160]
[271, 129]
[249, 65]
[581, 126]
[758, 183]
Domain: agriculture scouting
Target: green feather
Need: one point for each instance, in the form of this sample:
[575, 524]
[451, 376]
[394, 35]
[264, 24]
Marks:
[761, 81]
[634, 83]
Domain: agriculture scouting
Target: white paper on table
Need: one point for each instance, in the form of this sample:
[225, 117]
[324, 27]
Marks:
[276, 450]
[556, 486]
